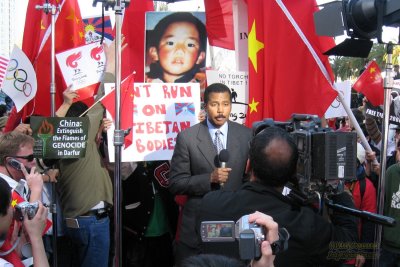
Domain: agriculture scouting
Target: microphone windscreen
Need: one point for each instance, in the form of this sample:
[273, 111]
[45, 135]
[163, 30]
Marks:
[223, 155]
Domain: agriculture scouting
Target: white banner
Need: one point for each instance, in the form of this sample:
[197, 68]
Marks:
[20, 82]
[241, 32]
[238, 82]
[336, 109]
[82, 66]
[160, 112]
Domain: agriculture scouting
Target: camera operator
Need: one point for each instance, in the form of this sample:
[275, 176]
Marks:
[34, 228]
[272, 163]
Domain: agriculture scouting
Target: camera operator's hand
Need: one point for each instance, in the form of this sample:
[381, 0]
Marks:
[220, 175]
[271, 227]
[35, 183]
[35, 228]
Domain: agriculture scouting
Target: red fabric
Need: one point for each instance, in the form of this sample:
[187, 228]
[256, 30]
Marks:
[370, 84]
[181, 201]
[126, 114]
[13, 257]
[219, 23]
[69, 34]
[133, 28]
[284, 77]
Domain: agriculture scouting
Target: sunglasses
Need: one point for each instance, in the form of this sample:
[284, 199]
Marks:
[29, 158]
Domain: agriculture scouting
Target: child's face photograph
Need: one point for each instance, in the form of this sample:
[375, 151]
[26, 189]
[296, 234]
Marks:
[179, 48]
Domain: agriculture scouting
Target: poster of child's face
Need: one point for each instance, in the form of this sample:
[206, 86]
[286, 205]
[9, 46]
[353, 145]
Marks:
[175, 47]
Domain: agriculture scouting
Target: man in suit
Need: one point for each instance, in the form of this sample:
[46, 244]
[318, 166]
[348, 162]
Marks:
[195, 167]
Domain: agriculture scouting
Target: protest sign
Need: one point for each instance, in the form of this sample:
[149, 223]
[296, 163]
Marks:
[83, 67]
[57, 138]
[238, 83]
[160, 112]
[336, 109]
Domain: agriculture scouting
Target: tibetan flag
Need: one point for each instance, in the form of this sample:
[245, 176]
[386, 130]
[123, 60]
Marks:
[126, 114]
[133, 28]
[219, 23]
[370, 84]
[94, 28]
[287, 71]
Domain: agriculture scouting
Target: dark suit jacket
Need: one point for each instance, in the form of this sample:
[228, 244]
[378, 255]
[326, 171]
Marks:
[192, 163]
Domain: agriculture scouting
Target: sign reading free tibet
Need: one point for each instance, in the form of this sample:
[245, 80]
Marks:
[57, 138]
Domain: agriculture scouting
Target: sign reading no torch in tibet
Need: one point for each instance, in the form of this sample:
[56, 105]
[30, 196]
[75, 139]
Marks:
[57, 138]
[160, 112]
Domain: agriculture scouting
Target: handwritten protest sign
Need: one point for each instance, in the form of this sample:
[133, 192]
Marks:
[160, 112]
[57, 138]
[238, 82]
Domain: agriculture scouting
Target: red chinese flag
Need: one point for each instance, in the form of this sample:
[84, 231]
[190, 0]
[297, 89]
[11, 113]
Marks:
[126, 114]
[133, 28]
[287, 71]
[370, 84]
[219, 23]
[69, 33]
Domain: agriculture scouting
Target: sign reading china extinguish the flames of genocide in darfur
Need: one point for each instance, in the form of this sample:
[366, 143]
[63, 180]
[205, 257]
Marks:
[57, 138]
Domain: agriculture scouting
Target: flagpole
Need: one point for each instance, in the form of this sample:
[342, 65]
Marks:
[388, 85]
[53, 9]
[118, 137]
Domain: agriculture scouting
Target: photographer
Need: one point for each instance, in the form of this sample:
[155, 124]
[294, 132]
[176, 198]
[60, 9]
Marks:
[34, 228]
[272, 163]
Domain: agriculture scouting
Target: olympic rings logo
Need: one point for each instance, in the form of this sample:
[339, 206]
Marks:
[20, 78]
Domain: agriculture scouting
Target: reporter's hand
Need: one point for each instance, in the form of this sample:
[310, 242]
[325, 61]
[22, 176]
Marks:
[220, 175]
[271, 227]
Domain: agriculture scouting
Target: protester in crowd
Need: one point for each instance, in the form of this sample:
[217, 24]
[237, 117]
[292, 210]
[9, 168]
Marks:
[85, 190]
[272, 162]
[149, 216]
[396, 72]
[195, 167]
[390, 244]
[364, 196]
[177, 47]
[34, 228]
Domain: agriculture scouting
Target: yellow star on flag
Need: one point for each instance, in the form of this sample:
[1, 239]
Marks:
[253, 106]
[14, 202]
[254, 45]
[372, 70]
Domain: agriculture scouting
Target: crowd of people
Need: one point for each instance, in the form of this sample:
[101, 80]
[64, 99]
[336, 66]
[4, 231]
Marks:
[165, 202]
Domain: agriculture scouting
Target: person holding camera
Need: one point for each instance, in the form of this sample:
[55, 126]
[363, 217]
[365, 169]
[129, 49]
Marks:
[34, 227]
[272, 163]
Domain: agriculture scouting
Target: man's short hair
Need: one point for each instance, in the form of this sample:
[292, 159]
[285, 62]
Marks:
[216, 88]
[76, 109]
[5, 197]
[11, 142]
[271, 164]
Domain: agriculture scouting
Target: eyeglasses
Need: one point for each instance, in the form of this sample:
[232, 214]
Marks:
[29, 158]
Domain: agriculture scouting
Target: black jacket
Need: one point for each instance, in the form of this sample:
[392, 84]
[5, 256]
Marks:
[138, 190]
[310, 234]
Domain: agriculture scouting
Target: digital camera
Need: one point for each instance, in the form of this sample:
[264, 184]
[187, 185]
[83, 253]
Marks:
[25, 209]
[249, 235]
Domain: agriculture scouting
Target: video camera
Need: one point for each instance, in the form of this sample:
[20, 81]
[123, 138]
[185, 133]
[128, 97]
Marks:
[326, 158]
[249, 235]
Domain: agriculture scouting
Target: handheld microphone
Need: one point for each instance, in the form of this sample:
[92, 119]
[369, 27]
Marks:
[223, 159]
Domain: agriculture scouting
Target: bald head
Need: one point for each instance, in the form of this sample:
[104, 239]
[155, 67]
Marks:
[273, 156]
